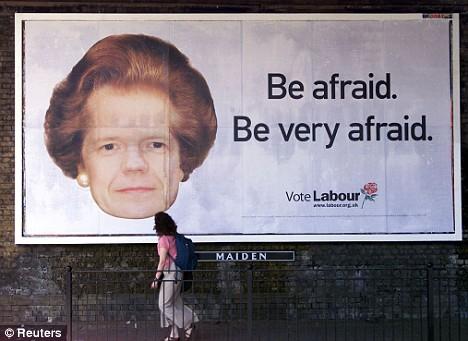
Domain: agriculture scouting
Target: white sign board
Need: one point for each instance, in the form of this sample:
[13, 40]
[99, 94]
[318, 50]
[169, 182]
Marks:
[250, 128]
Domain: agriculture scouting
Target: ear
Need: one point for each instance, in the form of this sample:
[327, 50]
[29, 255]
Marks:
[181, 174]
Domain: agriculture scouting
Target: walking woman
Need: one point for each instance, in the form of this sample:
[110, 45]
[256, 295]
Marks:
[174, 313]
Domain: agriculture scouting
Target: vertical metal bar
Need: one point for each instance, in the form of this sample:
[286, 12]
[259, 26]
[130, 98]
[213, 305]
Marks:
[345, 321]
[271, 312]
[230, 312]
[402, 304]
[69, 302]
[374, 296]
[181, 290]
[392, 308]
[383, 302]
[155, 304]
[411, 292]
[458, 294]
[129, 322]
[354, 305]
[107, 311]
[449, 293]
[241, 303]
[297, 313]
[233, 308]
[335, 305]
[326, 300]
[317, 301]
[102, 312]
[430, 303]
[421, 313]
[249, 302]
[439, 306]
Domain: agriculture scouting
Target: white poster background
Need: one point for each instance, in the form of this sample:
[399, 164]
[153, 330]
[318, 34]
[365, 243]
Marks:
[240, 192]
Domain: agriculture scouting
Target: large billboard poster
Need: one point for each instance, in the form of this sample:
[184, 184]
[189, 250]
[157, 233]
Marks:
[243, 127]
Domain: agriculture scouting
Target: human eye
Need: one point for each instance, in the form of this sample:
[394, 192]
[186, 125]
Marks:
[156, 146]
[108, 147]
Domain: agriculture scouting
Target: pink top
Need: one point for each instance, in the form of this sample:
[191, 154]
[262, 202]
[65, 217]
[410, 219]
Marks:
[167, 242]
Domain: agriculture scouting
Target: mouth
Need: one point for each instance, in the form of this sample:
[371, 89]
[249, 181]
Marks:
[136, 189]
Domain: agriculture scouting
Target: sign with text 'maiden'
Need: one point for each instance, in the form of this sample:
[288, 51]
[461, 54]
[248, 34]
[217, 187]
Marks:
[246, 256]
[245, 128]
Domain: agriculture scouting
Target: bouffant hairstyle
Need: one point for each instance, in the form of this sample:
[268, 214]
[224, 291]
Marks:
[124, 61]
[164, 224]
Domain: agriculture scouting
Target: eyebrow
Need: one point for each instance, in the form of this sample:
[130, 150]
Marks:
[113, 137]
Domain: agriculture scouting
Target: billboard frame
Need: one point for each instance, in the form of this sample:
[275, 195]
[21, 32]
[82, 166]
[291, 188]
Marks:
[20, 238]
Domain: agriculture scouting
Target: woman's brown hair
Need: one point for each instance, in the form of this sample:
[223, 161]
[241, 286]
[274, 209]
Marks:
[164, 225]
[124, 61]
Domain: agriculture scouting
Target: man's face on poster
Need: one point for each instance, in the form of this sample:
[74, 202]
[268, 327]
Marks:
[129, 155]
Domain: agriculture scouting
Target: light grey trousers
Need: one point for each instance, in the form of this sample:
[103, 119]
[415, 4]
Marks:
[172, 308]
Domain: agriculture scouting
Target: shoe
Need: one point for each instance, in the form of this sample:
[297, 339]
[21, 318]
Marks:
[188, 333]
[170, 338]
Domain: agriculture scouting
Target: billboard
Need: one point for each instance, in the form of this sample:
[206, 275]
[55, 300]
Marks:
[242, 127]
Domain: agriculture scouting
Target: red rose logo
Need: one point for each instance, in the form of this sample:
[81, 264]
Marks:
[370, 189]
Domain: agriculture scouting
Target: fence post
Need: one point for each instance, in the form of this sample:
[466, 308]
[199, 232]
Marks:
[249, 302]
[430, 303]
[68, 302]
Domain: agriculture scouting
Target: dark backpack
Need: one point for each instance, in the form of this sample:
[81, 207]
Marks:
[186, 260]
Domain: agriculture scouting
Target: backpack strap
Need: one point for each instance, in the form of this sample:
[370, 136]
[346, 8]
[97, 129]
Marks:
[169, 254]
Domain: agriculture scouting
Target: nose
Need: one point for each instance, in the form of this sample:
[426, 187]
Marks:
[134, 160]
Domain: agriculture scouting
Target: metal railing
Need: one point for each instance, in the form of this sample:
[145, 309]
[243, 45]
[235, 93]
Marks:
[323, 304]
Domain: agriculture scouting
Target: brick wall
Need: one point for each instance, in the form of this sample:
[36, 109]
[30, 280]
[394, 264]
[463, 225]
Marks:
[32, 277]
